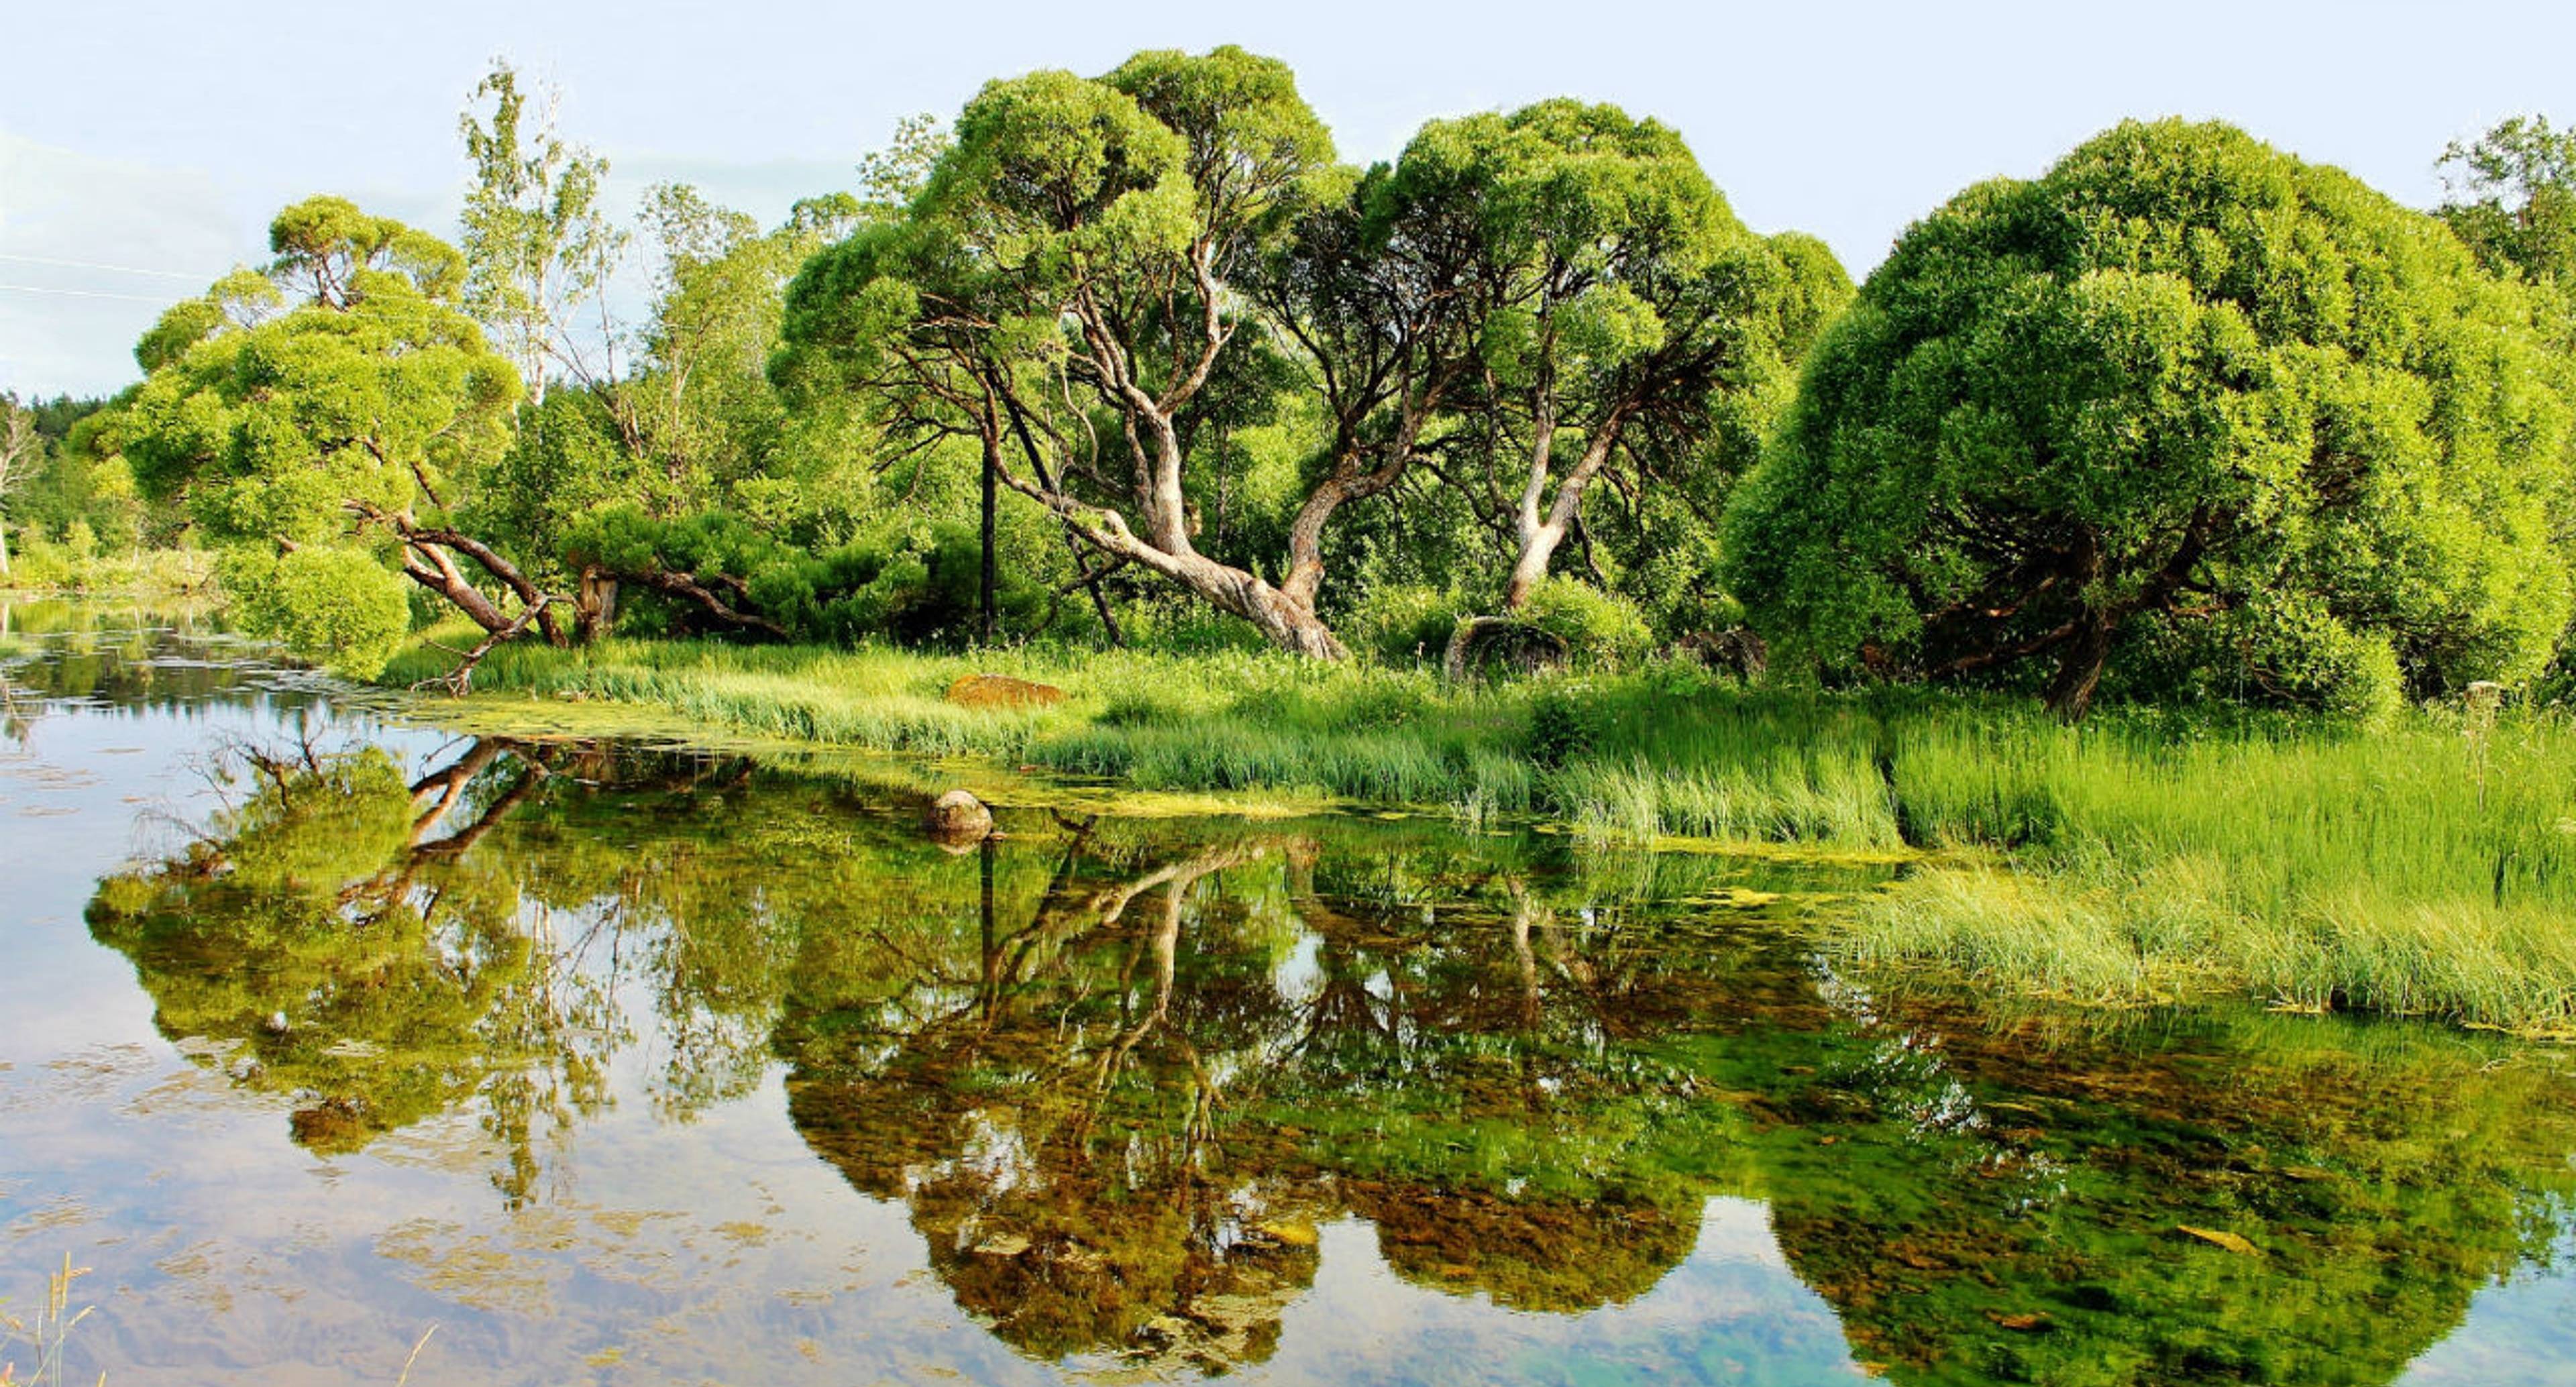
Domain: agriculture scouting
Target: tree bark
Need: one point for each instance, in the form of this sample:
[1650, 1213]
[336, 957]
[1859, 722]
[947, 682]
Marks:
[1286, 622]
[988, 579]
[2079, 666]
[595, 605]
[428, 563]
[1541, 533]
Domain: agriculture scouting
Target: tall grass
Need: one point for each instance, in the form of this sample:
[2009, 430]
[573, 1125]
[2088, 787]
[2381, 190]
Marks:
[2424, 867]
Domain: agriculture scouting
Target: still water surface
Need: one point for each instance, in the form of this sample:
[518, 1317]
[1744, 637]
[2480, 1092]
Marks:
[612, 1062]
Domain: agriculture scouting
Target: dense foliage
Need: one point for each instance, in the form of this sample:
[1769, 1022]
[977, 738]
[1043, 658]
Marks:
[2187, 406]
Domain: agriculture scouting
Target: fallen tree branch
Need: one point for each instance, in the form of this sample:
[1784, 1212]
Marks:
[460, 680]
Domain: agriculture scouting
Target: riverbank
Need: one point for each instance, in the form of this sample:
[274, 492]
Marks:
[2427, 867]
[51, 570]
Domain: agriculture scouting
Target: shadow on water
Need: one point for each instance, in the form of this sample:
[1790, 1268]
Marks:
[1122, 1076]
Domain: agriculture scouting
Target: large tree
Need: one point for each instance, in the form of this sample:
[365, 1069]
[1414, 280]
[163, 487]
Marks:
[1083, 283]
[324, 419]
[1627, 316]
[2185, 397]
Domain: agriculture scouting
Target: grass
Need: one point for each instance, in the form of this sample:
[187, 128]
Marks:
[44, 569]
[2427, 867]
[50, 1336]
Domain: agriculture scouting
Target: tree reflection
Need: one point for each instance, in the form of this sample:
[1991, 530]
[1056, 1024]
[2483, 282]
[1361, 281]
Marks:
[1178, 1061]
[1120, 1073]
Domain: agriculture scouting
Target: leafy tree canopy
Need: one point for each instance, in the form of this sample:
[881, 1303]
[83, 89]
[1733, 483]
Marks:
[2233, 417]
[340, 397]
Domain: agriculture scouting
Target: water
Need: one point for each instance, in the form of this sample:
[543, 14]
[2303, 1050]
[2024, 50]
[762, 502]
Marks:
[337, 1047]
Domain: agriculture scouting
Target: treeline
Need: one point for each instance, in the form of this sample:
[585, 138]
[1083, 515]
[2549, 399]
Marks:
[1137, 357]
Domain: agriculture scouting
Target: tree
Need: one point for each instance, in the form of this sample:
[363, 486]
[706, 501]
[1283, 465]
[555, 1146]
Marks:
[2238, 418]
[538, 248]
[2512, 198]
[1379, 295]
[1100, 226]
[20, 449]
[1627, 307]
[1128, 259]
[339, 400]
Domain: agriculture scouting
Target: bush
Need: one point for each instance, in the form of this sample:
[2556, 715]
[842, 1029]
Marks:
[1404, 623]
[1598, 628]
[337, 606]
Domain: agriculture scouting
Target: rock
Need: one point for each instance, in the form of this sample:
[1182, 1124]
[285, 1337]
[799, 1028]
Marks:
[1002, 691]
[1735, 650]
[958, 817]
[1002, 1245]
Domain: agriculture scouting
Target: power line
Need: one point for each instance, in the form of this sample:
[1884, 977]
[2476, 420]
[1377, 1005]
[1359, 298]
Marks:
[94, 265]
[83, 293]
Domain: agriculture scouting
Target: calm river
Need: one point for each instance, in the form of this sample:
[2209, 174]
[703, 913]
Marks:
[345, 1049]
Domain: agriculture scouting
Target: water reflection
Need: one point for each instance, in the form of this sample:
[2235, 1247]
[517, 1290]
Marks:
[1133, 1084]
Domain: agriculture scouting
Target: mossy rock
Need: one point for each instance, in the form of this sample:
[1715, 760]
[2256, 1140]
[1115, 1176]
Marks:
[958, 819]
[1002, 691]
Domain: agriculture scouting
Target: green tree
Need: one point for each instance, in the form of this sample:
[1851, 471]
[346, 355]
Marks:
[1165, 259]
[539, 249]
[1087, 236]
[2237, 417]
[340, 399]
[2512, 197]
[1628, 307]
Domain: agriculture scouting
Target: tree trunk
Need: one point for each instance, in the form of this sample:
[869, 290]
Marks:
[429, 565]
[986, 580]
[1538, 549]
[1541, 533]
[4, 549]
[594, 606]
[2079, 667]
[1290, 624]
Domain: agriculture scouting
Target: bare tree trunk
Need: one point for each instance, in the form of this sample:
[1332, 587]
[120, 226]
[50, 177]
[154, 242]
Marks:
[1541, 533]
[1166, 549]
[986, 581]
[595, 605]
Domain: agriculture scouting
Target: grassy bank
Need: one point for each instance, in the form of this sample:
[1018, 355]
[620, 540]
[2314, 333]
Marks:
[44, 569]
[2427, 867]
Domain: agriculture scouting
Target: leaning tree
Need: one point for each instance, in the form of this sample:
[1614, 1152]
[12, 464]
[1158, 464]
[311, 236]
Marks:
[2186, 409]
[324, 420]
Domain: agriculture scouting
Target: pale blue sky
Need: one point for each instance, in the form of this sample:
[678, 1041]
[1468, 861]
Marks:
[161, 136]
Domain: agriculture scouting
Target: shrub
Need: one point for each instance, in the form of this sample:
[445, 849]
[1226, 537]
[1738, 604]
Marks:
[1598, 628]
[338, 606]
[1404, 623]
